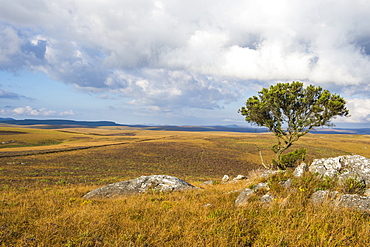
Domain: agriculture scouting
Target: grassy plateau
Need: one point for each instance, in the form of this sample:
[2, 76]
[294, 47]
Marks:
[45, 172]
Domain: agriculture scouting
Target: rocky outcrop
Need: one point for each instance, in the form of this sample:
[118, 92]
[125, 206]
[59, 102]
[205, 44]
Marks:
[343, 167]
[321, 196]
[299, 170]
[338, 199]
[160, 183]
[350, 172]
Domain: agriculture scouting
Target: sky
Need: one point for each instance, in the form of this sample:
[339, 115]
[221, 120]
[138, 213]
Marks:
[177, 62]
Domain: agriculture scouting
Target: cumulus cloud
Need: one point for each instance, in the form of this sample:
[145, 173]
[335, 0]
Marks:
[199, 54]
[174, 89]
[29, 111]
[359, 110]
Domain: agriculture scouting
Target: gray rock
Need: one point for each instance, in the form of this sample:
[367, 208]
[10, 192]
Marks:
[210, 182]
[266, 198]
[244, 196]
[239, 177]
[262, 186]
[337, 199]
[287, 183]
[299, 170]
[354, 201]
[322, 196]
[225, 178]
[343, 167]
[160, 183]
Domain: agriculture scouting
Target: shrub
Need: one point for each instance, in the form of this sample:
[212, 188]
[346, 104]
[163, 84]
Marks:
[290, 159]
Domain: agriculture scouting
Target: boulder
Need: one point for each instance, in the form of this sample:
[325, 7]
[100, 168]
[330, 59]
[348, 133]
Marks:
[160, 183]
[209, 182]
[243, 197]
[267, 198]
[262, 186]
[225, 178]
[354, 201]
[240, 177]
[338, 199]
[287, 184]
[321, 196]
[343, 167]
[246, 194]
[299, 170]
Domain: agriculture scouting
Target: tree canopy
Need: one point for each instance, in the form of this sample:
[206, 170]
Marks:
[290, 110]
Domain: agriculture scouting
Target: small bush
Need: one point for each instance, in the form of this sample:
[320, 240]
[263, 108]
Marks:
[352, 185]
[326, 183]
[290, 159]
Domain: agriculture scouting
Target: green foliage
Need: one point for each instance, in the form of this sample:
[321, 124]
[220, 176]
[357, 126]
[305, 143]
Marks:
[352, 185]
[289, 110]
[276, 180]
[326, 183]
[290, 159]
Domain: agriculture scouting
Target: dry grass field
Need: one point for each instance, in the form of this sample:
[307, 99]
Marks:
[45, 172]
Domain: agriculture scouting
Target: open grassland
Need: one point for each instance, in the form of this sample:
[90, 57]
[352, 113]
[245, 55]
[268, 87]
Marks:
[45, 172]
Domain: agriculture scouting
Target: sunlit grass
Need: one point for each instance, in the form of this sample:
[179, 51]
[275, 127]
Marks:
[41, 194]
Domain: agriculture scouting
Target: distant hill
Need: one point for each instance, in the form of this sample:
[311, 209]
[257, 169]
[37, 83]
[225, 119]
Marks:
[6, 119]
[60, 123]
[208, 128]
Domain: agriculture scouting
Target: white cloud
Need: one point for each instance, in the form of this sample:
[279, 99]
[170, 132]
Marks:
[32, 112]
[29, 111]
[359, 110]
[67, 113]
[175, 89]
[174, 54]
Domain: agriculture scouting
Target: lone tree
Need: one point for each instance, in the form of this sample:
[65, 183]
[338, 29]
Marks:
[290, 111]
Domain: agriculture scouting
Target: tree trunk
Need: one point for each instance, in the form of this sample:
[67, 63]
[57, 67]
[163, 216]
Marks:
[279, 152]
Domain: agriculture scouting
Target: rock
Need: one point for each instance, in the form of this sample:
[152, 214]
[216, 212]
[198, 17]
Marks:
[160, 183]
[343, 167]
[262, 186]
[322, 196]
[266, 198]
[337, 199]
[299, 170]
[210, 182]
[354, 201]
[240, 177]
[244, 196]
[225, 178]
[287, 183]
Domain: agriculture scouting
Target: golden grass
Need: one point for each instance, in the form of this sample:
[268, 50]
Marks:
[41, 194]
[58, 216]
